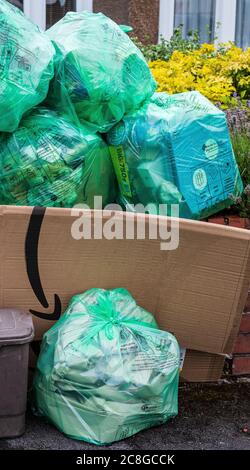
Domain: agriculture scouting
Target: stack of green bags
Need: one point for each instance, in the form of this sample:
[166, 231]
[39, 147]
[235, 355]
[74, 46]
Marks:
[90, 74]
[105, 371]
[165, 149]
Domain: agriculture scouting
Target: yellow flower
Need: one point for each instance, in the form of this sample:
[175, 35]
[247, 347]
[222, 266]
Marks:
[216, 73]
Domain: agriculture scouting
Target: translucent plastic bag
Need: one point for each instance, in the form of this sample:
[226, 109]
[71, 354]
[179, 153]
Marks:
[99, 72]
[49, 161]
[105, 371]
[26, 66]
[175, 150]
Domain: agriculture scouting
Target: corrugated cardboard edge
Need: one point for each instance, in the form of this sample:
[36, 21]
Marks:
[197, 226]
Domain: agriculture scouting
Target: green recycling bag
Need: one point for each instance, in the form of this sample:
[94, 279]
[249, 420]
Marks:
[99, 72]
[105, 370]
[26, 66]
[50, 162]
[176, 149]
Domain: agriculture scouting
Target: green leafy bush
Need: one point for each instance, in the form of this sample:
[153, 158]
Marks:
[165, 48]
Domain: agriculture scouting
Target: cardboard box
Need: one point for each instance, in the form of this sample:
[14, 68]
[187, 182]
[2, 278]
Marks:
[197, 291]
[202, 367]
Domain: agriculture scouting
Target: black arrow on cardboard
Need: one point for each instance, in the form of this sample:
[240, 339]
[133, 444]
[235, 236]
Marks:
[32, 266]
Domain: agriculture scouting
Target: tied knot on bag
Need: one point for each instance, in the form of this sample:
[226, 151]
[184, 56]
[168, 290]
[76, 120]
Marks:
[106, 312]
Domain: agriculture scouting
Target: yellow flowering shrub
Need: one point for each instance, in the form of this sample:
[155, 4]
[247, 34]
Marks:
[216, 73]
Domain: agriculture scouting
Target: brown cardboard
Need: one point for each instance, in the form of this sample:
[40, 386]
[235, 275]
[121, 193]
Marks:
[202, 367]
[197, 291]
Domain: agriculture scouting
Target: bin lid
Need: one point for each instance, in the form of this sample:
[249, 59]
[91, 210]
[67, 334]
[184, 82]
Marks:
[15, 327]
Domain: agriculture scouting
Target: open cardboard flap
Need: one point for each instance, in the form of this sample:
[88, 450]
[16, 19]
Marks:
[196, 291]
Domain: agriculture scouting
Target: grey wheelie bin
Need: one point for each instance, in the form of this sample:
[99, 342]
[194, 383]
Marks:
[16, 332]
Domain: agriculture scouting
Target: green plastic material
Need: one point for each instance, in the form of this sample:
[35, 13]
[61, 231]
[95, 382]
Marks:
[99, 72]
[126, 28]
[49, 161]
[175, 150]
[105, 371]
[26, 66]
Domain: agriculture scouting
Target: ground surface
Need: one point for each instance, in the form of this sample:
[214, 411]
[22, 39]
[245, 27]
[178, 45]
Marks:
[210, 417]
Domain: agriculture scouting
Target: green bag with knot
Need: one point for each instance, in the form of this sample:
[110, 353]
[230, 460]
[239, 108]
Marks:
[105, 370]
[26, 66]
[99, 72]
